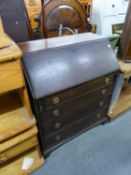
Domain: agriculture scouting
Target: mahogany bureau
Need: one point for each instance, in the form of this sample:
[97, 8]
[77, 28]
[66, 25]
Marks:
[70, 86]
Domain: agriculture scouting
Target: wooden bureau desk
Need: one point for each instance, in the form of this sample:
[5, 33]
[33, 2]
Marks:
[71, 80]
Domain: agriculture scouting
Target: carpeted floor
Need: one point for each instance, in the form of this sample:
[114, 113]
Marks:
[104, 150]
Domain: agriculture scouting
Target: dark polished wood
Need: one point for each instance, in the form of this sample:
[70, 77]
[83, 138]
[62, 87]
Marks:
[65, 108]
[68, 13]
[70, 85]
[78, 91]
[32, 46]
[125, 43]
[57, 61]
[44, 20]
[75, 127]
[59, 123]
[15, 20]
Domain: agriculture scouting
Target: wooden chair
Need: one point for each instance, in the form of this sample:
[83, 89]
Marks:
[64, 18]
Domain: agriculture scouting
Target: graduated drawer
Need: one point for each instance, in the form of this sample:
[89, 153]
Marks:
[77, 91]
[19, 144]
[75, 129]
[11, 76]
[85, 99]
[57, 125]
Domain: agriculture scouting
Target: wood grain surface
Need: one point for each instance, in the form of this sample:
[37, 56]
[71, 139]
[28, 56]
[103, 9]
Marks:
[86, 1]
[15, 167]
[70, 58]
[33, 8]
[10, 50]
[14, 119]
[125, 68]
[18, 131]
[1, 27]
[40, 44]
[123, 104]
[18, 144]
[11, 76]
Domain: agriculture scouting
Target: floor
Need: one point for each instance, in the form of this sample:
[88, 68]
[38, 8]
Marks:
[104, 150]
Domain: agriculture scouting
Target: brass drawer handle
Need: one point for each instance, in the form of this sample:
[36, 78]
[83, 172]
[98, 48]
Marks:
[56, 113]
[98, 116]
[103, 91]
[55, 100]
[57, 125]
[107, 80]
[101, 104]
[58, 137]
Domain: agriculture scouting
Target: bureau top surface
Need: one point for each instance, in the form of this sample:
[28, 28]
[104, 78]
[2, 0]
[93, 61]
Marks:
[40, 44]
[52, 70]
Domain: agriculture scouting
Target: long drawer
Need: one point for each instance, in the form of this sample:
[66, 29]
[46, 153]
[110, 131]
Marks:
[74, 129]
[18, 144]
[86, 99]
[56, 126]
[88, 87]
[21, 148]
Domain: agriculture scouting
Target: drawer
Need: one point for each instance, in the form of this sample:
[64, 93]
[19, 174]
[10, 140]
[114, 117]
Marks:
[11, 76]
[15, 166]
[18, 144]
[57, 125]
[74, 129]
[72, 105]
[66, 95]
[16, 150]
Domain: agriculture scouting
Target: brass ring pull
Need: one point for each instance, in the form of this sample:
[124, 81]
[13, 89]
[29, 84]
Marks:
[55, 100]
[107, 80]
[56, 113]
[103, 91]
[57, 125]
[101, 104]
